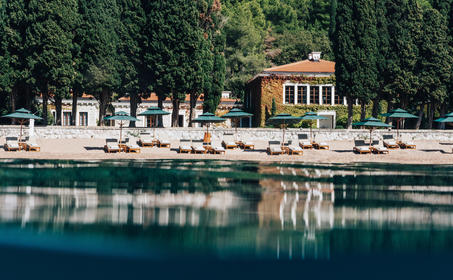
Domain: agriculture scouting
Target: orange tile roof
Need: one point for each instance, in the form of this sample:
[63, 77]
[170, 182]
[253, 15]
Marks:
[305, 66]
[153, 97]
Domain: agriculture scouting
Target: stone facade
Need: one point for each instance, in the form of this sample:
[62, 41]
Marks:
[62, 132]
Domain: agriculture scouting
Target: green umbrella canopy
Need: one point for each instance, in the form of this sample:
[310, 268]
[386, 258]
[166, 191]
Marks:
[208, 118]
[312, 116]
[449, 114]
[154, 111]
[236, 113]
[22, 114]
[284, 119]
[448, 119]
[371, 122]
[399, 114]
[121, 116]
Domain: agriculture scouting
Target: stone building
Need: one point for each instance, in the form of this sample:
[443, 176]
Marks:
[307, 82]
[88, 110]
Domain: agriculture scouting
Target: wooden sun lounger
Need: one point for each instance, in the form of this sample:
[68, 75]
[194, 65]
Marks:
[378, 149]
[184, 146]
[246, 145]
[132, 148]
[146, 142]
[320, 145]
[274, 148]
[294, 150]
[163, 143]
[111, 145]
[198, 148]
[228, 142]
[361, 147]
[407, 145]
[11, 144]
[32, 147]
[216, 148]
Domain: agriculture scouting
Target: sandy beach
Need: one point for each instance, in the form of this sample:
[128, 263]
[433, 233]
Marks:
[427, 152]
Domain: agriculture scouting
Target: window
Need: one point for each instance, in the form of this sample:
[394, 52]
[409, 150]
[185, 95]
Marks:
[83, 118]
[302, 95]
[327, 95]
[314, 95]
[181, 120]
[338, 99]
[289, 95]
[151, 121]
[67, 118]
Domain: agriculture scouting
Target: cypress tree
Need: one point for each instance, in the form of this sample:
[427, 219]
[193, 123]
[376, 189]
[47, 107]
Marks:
[435, 60]
[404, 28]
[130, 33]
[100, 50]
[175, 35]
[49, 45]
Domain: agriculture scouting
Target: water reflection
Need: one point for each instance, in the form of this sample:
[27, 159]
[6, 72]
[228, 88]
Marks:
[230, 209]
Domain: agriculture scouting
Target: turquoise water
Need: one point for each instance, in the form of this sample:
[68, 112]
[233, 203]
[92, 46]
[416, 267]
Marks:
[225, 209]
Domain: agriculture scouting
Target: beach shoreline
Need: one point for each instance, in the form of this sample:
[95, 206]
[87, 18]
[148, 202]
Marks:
[427, 152]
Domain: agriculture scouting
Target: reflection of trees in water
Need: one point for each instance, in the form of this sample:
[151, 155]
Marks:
[54, 206]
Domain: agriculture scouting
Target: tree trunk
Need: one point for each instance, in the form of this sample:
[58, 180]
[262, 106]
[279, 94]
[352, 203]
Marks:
[350, 111]
[443, 109]
[376, 107]
[420, 116]
[389, 109]
[431, 115]
[193, 104]
[134, 98]
[175, 112]
[103, 102]
[362, 110]
[45, 101]
[74, 108]
[12, 100]
[160, 104]
[58, 108]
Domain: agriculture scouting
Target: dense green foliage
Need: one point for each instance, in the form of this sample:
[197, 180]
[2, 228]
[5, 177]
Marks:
[394, 50]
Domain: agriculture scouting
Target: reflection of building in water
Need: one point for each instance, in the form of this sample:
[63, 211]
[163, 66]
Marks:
[87, 206]
[305, 207]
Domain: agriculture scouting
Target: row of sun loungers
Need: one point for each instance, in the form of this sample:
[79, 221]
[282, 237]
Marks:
[200, 147]
[12, 144]
[113, 146]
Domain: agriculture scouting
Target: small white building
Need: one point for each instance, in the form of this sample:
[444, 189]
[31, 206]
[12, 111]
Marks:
[88, 110]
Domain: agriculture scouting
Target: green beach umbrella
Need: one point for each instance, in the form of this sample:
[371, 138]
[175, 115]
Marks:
[154, 111]
[283, 120]
[121, 116]
[208, 118]
[399, 114]
[447, 119]
[237, 114]
[22, 115]
[371, 123]
[311, 116]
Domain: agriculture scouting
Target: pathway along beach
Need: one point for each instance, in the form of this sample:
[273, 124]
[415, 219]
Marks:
[427, 152]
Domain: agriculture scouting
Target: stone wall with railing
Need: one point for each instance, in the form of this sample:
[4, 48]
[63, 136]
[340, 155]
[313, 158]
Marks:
[61, 132]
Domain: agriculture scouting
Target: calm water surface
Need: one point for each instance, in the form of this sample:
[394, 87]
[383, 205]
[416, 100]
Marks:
[226, 209]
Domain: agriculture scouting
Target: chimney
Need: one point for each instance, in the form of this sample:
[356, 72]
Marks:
[314, 56]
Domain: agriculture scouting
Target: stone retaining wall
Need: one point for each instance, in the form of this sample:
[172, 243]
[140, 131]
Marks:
[57, 132]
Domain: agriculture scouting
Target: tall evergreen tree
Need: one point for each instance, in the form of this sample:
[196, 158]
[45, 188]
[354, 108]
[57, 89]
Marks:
[175, 37]
[435, 60]
[404, 20]
[356, 52]
[49, 39]
[130, 34]
[100, 50]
